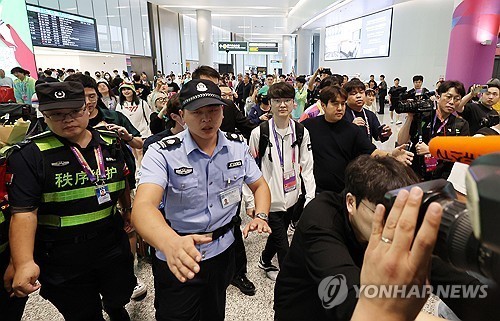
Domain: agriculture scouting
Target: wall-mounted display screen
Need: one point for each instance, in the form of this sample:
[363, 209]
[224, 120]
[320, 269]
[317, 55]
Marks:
[365, 37]
[51, 28]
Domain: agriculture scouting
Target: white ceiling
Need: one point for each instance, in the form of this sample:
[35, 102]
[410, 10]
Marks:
[253, 19]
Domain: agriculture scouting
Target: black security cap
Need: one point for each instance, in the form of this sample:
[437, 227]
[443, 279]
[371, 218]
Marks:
[59, 95]
[199, 93]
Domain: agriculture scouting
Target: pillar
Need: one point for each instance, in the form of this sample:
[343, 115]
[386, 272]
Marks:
[287, 54]
[304, 45]
[204, 29]
[473, 41]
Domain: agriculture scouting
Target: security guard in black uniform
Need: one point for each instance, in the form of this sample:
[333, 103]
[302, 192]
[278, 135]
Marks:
[64, 231]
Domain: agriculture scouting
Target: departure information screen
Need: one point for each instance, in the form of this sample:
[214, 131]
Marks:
[51, 28]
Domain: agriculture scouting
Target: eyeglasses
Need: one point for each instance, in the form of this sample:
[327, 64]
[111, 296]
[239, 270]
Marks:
[368, 207]
[278, 102]
[450, 97]
[62, 116]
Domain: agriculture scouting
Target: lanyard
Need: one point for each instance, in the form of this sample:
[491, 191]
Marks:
[86, 167]
[280, 155]
[443, 125]
[366, 122]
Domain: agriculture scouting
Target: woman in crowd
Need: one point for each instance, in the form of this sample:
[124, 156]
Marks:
[157, 118]
[108, 77]
[161, 87]
[137, 111]
[107, 95]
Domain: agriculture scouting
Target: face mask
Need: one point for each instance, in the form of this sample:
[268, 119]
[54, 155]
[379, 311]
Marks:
[185, 126]
[169, 81]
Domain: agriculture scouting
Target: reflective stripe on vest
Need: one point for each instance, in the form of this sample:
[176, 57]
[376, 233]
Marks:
[65, 221]
[71, 195]
[2, 218]
[3, 247]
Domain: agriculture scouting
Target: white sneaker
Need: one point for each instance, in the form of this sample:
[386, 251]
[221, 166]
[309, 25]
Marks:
[270, 269]
[140, 289]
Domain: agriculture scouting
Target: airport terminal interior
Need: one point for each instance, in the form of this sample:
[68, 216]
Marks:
[412, 83]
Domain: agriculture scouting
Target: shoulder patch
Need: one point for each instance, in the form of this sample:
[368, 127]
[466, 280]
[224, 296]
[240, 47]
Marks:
[170, 141]
[235, 137]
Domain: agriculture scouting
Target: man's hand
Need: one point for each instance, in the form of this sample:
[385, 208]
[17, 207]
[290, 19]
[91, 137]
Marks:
[422, 149]
[183, 257]
[8, 277]
[475, 90]
[256, 224]
[25, 279]
[402, 155]
[359, 121]
[120, 131]
[264, 117]
[251, 212]
[396, 257]
[386, 131]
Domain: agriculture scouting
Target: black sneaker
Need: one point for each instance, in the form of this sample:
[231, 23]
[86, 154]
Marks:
[244, 284]
[270, 269]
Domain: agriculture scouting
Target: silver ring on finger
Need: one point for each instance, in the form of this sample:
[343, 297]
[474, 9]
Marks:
[386, 240]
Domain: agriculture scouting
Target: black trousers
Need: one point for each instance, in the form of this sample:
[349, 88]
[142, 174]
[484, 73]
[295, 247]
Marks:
[277, 241]
[381, 103]
[202, 298]
[11, 309]
[79, 298]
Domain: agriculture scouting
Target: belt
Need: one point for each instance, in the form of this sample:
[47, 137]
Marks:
[235, 221]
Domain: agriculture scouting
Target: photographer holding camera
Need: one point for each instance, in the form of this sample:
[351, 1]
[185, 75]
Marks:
[424, 122]
[481, 114]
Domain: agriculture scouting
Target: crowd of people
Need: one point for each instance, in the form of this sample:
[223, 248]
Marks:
[174, 159]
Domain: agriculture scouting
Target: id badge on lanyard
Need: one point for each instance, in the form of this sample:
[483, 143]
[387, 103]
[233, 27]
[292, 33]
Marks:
[101, 190]
[289, 177]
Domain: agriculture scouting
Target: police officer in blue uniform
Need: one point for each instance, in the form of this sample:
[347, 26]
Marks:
[198, 175]
[64, 230]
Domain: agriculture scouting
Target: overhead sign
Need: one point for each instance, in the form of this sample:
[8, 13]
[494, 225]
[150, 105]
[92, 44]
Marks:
[263, 47]
[233, 45]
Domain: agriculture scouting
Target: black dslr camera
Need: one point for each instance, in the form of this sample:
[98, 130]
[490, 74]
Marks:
[414, 104]
[468, 236]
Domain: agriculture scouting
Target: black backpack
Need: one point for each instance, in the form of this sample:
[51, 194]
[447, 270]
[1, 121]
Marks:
[264, 140]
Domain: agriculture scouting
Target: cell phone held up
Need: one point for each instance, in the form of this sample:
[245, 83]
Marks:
[381, 131]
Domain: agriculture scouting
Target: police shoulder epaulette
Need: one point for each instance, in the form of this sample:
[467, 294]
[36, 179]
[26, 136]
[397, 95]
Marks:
[168, 142]
[235, 137]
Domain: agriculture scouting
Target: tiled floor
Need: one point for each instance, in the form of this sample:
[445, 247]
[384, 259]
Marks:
[239, 307]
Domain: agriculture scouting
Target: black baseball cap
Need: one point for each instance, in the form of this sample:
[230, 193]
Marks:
[199, 93]
[59, 95]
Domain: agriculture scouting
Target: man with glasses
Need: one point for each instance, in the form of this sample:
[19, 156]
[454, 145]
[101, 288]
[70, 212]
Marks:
[440, 122]
[286, 164]
[65, 230]
[331, 239]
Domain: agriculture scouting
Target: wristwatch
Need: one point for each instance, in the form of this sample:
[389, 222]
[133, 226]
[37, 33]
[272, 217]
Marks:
[262, 216]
